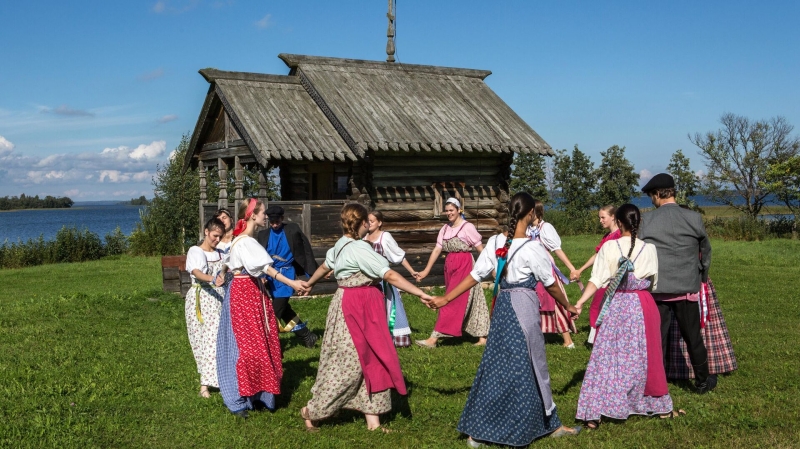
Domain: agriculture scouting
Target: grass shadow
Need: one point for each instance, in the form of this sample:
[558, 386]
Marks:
[576, 380]
[294, 373]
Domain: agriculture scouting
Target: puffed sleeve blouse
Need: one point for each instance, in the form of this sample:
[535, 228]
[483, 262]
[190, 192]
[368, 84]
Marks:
[197, 259]
[526, 260]
[549, 237]
[247, 254]
[645, 261]
[354, 257]
[391, 251]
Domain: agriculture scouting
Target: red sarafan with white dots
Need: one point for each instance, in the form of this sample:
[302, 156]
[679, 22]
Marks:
[256, 329]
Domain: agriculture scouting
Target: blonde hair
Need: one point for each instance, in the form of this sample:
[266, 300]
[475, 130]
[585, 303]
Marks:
[243, 207]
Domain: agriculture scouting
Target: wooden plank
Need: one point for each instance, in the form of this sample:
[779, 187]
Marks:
[173, 261]
[170, 273]
[173, 285]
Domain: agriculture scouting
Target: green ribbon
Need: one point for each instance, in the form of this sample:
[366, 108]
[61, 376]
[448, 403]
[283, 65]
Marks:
[393, 311]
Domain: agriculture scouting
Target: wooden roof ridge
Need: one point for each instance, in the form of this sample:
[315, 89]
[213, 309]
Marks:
[212, 75]
[293, 61]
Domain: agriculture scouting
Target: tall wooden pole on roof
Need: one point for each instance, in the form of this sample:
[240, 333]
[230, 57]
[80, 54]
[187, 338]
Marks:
[390, 33]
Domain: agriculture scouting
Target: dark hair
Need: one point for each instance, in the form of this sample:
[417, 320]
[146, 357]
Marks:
[223, 212]
[378, 216]
[353, 216]
[664, 193]
[214, 223]
[629, 217]
[538, 209]
[520, 205]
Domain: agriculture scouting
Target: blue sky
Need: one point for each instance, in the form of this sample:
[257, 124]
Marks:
[95, 94]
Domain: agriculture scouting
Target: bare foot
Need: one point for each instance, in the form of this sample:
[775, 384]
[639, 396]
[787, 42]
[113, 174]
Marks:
[204, 393]
[481, 342]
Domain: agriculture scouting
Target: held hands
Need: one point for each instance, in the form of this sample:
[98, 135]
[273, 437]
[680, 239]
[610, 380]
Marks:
[437, 302]
[420, 275]
[575, 275]
[305, 288]
[576, 312]
[219, 280]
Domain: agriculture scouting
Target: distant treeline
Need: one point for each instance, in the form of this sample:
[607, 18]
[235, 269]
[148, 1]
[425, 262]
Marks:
[141, 201]
[34, 202]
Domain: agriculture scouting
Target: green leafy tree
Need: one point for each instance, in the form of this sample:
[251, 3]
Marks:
[738, 157]
[169, 224]
[686, 182]
[529, 176]
[575, 178]
[617, 177]
[783, 178]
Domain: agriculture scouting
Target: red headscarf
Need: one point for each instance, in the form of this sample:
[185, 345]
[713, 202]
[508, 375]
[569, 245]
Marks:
[242, 224]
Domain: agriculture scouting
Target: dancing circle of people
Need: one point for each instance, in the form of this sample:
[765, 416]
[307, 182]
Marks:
[654, 314]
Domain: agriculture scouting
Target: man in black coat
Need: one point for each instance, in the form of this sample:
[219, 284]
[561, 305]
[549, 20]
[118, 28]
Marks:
[684, 257]
[291, 252]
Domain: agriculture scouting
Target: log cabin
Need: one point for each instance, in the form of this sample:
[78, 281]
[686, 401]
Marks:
[400, 138]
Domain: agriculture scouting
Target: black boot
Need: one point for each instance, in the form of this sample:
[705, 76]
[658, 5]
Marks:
[308, 338]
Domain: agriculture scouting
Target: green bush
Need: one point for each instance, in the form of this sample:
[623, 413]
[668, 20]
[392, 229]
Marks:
[70, 245]
[574, 223]
[750, 229]
[116, 243]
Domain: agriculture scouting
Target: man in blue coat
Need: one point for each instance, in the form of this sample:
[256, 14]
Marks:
[291, 252]
[684, 257]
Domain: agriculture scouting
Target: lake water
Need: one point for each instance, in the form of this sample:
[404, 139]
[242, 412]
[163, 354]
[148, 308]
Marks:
[98, 217]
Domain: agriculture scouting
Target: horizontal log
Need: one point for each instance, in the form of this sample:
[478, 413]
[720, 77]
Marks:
[435, 225]
[433, 171]
[427, 160]
[396, 217]
[170, 273]
[403, 181]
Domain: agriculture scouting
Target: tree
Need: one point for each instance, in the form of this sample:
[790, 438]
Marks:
[738, 157]
[575, 179]
[686, 182]
[169, 224]
[529, 176]
[617, 176]
[783, 178]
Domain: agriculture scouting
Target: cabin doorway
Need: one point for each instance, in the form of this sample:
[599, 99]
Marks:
[320, 181]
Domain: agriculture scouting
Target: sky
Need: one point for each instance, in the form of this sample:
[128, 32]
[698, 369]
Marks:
[95, 95]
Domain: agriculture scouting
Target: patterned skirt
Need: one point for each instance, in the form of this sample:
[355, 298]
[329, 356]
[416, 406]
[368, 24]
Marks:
[340, 382]
[721, 358]
[510, 400]
[204, 303]
[617, 374]
[468, 312]
[557, 321]
[248, 351]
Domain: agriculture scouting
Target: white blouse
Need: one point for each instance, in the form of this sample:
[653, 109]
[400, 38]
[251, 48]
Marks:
[526, 260]
[391, 251]
[607, 261]
[357, 256]
[548, 236]
[197, 259]
[246, 253]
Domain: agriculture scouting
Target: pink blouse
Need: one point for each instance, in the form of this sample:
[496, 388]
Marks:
[610, 236]
[465, 231]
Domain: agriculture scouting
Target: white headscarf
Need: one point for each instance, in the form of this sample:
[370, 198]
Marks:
[454, 202]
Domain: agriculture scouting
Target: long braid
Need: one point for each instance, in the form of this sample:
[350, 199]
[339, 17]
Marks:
[512, 229]
[633, 241]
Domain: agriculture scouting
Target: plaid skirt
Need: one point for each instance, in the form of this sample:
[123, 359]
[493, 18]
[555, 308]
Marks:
[721, 358]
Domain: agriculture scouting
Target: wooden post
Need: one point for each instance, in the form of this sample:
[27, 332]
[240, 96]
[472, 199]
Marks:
[203, 196]
[306, 226]
[223, 186]
[262, 187]
[238, 173]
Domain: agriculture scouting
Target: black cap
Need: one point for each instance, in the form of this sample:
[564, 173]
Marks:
[659, 181]
[274, 212]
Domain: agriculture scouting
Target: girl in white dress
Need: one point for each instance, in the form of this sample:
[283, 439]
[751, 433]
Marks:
[555, 318]
[384, 244]
[204, 302]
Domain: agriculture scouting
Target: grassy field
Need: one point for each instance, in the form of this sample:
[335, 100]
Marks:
[727, 212]
[95, 355]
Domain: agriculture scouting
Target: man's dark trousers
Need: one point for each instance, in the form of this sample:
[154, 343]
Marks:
[688, 317]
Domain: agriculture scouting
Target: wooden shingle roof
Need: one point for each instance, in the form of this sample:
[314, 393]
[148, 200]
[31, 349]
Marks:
[274, 115]
[402, 107]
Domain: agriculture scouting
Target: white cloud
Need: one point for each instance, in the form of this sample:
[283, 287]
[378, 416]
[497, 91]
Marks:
[142, 176]
[645, 175]
[40, 176]
[265, 22]
[72, 192]
[168, 118]
[65, 111]
[151, 151]
[160, 6]
[151, 75]
[114, 176]
[6, 147]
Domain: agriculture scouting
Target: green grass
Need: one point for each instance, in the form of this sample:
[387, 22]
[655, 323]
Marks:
[728, 212]
[95, 355]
